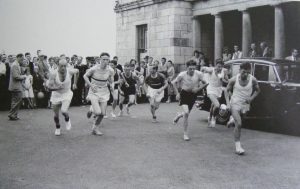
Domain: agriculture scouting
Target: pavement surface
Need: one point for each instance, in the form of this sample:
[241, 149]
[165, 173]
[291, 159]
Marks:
[136, 153]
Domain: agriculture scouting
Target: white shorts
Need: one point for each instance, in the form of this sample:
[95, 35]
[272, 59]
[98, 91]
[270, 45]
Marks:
[58, 98]
[240, 107]
[152, 93]
[102, 95]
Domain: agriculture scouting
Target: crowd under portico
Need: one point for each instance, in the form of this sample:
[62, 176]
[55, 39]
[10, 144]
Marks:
[242, 25]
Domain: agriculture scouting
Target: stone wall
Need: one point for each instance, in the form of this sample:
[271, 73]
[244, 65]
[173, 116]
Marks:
[169, 31]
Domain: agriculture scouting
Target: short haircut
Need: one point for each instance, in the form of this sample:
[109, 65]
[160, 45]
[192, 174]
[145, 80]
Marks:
[115, 57]
[245, 66]
[113, 62]
[27, 53]
[20, 55]
[131, 62]
[104, 54]
[196, 51]
[219, 61]
[164, 58]
[190, 63]
[146, 57]
[170, 61]
[51, 58]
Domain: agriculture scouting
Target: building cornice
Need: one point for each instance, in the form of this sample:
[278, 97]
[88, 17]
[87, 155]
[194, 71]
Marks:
[141, 3]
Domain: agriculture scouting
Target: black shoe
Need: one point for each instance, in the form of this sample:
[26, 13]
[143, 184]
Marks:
[13, 118]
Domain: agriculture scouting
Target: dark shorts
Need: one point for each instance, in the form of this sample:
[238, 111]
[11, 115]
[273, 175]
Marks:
[187, 98]
[131, 90]
[116, 86]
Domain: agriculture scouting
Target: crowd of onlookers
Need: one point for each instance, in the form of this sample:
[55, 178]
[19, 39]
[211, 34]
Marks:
[35, 95]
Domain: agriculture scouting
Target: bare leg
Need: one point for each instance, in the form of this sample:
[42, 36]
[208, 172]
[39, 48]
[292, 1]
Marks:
[64, 110]
[237, 130]
[56, 109]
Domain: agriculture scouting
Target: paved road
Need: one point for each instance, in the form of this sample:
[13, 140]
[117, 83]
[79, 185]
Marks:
[135, 153]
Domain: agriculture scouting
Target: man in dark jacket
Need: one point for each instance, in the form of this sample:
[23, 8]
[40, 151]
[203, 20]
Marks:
[15, 87]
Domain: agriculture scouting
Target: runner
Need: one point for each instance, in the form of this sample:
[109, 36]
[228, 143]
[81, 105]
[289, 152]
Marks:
[128, 88]
[215, 77]
[60, 84]
[117, 81]
[189, 82]
[101, 74]
[155, 85]
[241, 91]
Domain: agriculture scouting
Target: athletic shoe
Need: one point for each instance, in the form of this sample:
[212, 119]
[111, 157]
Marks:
[113, 115]
[239, 151]
[89, 114]
[105, 117]
[186, 137]
[68, 124]
[154, 119]
[168, 101]
[230, 123]
[120, 114]
[57, 132]
[212, 122]
[96, 131]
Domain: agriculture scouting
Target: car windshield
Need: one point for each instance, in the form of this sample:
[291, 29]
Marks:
[289, 72]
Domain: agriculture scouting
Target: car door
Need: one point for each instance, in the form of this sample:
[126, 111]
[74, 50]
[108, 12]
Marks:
[263, 105]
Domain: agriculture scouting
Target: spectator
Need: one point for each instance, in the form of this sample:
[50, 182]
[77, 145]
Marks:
[28, 91]
[294, 55]
[15, 87]
[265, 50]
[170, 77]
[119, 66]
[226, 55]
[237, 54]
[162, 67]
[252, 52]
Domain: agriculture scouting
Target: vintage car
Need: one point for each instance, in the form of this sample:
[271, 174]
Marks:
[277, 107]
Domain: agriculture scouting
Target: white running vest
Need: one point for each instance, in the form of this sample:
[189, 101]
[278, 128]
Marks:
[215, 83]
[66, 83]
[240, 93]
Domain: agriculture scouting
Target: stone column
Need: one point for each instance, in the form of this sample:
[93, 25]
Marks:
[219, 36]
[247, 33]
[279, 47]
[196, 33]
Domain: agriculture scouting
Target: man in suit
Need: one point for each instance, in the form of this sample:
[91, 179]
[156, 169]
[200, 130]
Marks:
[294, 56]
[265, 50]
[252, 53]
[15, 87]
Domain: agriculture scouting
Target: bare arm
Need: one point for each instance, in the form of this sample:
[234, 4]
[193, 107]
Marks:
[175, 83]
[75, 74]
[229, 89]
[256, 90]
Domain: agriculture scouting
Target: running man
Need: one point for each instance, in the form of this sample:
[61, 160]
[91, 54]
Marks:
[101, 75]
[128, 87]
[60, 84]
[155, 85]
[215, 77]
[117, 81]
[190, 83]
[241, 90]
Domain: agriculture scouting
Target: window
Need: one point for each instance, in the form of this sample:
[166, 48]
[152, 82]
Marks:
[264, 73]
[141, 40]
[235, 69]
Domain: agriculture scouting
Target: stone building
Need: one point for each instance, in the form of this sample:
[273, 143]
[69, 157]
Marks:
[175, 28]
